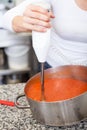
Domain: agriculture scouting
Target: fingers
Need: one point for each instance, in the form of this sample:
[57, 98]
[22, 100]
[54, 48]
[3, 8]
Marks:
[39, 9]
[37, 28]
[35, 24]
[37, 15]
[42, 11]
[37, 12]
[35, 18]
[39, 22]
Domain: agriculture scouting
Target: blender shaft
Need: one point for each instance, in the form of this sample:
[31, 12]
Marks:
[42, 82]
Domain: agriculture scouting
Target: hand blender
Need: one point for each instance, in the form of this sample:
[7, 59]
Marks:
[41, 43]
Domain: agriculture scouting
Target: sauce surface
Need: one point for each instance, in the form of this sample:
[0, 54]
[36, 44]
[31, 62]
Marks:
[57, 89]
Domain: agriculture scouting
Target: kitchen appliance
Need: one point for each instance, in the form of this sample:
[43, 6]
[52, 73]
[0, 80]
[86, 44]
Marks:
[58, 113]
[18, 56]
[41, 44]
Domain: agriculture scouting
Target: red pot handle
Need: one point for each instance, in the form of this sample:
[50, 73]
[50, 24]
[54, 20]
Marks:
[8, 103]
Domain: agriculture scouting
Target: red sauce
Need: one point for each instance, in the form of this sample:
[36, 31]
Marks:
[57, 89]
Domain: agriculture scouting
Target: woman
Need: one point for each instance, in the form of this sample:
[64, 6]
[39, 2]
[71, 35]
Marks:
[69, 28]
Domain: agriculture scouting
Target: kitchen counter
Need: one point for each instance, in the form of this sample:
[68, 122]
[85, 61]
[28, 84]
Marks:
[12, 118]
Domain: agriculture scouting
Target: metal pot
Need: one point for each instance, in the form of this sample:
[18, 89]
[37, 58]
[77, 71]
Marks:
[59, 113]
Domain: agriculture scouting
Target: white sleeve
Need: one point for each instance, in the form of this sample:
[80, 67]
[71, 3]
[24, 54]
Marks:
[16, 11]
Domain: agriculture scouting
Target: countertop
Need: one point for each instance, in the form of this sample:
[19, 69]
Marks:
[12, 118]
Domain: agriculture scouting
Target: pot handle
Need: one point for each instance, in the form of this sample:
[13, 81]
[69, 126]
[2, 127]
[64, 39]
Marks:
[18, 105]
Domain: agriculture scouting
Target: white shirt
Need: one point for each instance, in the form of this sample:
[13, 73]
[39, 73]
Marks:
[69, 33]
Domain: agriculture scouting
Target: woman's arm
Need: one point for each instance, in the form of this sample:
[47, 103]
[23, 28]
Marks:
[27, 17]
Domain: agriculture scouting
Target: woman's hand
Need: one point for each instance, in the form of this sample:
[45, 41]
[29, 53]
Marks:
[34, 18]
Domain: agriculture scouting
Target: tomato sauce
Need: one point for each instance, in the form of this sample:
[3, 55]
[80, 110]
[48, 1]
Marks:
[57, 89]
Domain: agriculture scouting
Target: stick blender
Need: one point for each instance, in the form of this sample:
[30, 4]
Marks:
[41, 44]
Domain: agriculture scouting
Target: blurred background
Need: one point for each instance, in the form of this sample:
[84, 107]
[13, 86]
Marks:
[17, 63]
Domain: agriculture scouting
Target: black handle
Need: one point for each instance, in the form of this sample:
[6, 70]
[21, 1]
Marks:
[18, 105]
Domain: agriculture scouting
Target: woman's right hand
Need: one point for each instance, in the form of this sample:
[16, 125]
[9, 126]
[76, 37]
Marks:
[34, 18]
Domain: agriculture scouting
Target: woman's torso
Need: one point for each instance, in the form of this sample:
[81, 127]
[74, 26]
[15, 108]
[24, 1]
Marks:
[69, 35]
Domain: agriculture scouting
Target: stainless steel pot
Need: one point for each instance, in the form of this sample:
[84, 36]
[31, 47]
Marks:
[59, 113]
